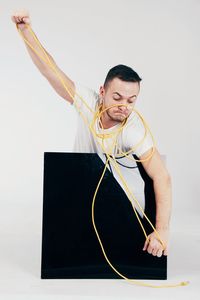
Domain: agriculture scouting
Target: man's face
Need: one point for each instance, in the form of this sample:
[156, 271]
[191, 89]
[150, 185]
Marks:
[119, 92]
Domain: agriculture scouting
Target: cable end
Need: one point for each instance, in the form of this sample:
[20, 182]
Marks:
[183, 283]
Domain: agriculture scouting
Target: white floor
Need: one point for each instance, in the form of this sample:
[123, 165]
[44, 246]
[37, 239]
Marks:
[20, 253]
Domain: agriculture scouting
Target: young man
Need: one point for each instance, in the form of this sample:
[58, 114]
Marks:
[121, 87]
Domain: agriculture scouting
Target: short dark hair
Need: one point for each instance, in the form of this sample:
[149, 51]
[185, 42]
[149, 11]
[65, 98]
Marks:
[122, 72]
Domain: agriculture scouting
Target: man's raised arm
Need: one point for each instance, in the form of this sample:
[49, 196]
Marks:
[22, 19]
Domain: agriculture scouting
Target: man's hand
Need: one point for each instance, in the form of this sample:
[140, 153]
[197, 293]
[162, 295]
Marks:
[21, 18]
[153, 244]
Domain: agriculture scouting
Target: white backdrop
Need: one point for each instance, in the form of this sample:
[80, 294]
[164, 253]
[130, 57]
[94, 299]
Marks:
[158, 39]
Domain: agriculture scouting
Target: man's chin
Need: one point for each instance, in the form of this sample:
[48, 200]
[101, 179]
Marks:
[119, 118]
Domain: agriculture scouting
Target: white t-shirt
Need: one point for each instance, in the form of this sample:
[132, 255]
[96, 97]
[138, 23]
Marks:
[131, 134]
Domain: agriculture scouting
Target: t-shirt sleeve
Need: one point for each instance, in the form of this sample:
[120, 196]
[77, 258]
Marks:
[134, 134]
[85, 99]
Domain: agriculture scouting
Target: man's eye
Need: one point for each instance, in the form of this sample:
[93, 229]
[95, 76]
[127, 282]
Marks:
[132, 101]
[116, 98]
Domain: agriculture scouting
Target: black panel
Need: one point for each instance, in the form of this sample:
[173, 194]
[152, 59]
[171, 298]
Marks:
[70, 248]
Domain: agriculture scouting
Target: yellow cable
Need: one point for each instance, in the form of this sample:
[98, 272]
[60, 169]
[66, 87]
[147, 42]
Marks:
[109, 157]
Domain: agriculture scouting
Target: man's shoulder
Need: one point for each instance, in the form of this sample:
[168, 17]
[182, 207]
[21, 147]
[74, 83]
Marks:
[134, 127]
[85, 95]
[85, 89]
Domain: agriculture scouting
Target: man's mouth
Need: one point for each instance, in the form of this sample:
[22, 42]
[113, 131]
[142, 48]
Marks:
[121, 113]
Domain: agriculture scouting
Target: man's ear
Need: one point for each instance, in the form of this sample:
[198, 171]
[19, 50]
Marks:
[101, 92]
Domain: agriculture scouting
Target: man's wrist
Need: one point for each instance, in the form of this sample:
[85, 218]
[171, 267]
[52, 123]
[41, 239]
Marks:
[23, 27]
[162, 227]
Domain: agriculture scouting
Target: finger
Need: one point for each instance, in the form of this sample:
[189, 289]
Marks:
[21, 20]
[26, 20]
[159, 253]
[18, 16]
[166, 252]
[146, 244]
[153, 247]
[154, 251]
[18, 19]
[13, 18]
[149, 249]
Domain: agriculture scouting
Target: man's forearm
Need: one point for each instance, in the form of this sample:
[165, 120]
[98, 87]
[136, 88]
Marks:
[163, 195]
[40, 64]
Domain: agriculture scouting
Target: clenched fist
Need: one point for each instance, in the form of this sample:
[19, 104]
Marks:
[153, 246]
[21, 18]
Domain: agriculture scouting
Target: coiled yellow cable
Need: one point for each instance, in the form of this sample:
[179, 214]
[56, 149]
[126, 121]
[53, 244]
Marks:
[110, 157]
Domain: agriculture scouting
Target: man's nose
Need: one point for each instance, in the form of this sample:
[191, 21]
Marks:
[123, 107]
